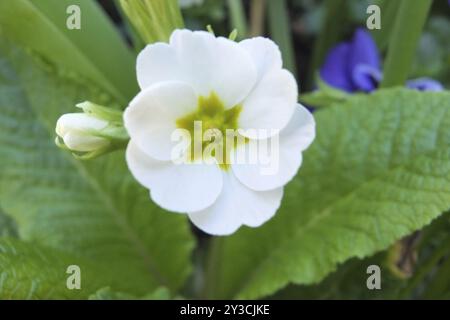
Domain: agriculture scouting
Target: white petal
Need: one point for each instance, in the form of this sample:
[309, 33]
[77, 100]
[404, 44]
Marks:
[237, 205]
[270, 106]
[157, 63]
[179, 188]
[301, 130]
[209, 64]
[79, 141]
[265, 54]
[150, 119]
[279, 164]
[78, 121]
[214, 64]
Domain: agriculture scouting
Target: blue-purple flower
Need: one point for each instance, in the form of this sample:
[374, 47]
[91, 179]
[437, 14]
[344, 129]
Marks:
[356, 66]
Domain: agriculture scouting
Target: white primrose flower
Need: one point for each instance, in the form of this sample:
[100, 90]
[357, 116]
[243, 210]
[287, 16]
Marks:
[223, 85]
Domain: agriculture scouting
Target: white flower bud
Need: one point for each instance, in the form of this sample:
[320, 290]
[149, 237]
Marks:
[79, 132]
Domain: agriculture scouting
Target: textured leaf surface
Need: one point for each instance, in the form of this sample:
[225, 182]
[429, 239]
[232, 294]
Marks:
[378, 170]
[93, 209]
[30, 271]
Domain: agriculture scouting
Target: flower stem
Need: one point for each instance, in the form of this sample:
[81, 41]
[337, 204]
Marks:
[411, 17]
[237, 15]
[212, 268]
[280, 31]
[332, 28]
[389, 11]
[257, 17]
[154, 20]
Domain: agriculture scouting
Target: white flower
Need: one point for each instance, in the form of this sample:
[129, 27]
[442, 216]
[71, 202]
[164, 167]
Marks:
[242, 86]
[76, 130]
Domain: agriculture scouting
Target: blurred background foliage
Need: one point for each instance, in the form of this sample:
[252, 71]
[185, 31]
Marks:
[306, 19]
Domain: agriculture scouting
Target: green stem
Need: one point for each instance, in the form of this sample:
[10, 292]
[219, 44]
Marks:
[154, 20]
[332, 29]
[388, 9]
[212, 268]
[257, 17]
[237, 17]
[280, 31]
[411, 18]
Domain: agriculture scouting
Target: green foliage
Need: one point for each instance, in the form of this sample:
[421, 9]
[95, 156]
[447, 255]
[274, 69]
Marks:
[7, 226]
[31, 271]
[378, 170]
[324, 96]
[108, 294]
[153, 20]
[40, 26]
[409, 21]
[349, 280]
[92, 209]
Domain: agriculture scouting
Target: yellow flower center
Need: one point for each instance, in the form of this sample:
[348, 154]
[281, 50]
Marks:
[219, 129]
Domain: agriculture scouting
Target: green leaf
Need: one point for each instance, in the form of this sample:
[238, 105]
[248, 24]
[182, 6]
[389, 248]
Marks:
[108, 294]
[324, 96]
[93, 209]
[378, 170]
[8, 227]
[95, 51]
[31, 271]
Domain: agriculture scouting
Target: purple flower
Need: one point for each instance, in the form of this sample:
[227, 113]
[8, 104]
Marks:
[355, 66]
[425, 84]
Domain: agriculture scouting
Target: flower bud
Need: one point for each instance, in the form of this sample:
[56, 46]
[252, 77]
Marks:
[95, 132]
[77, 130]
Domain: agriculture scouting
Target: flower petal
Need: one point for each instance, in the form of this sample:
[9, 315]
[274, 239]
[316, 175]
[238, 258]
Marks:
[150, 119]
[366, 78]
[265, 54]
[179, 188]
[78, 122]
[237, 205]
[363, 50]
[335, 71]
[205, 62]
[270, 106]
[157, 63]
[214, 64]
[425, 84]
[82, 142]
[277, 161]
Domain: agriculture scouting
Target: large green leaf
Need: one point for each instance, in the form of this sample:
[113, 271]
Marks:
[423, 256]
[7, 225]
[95, 51]
[94, 209]
[378, 170]
[30, 271]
